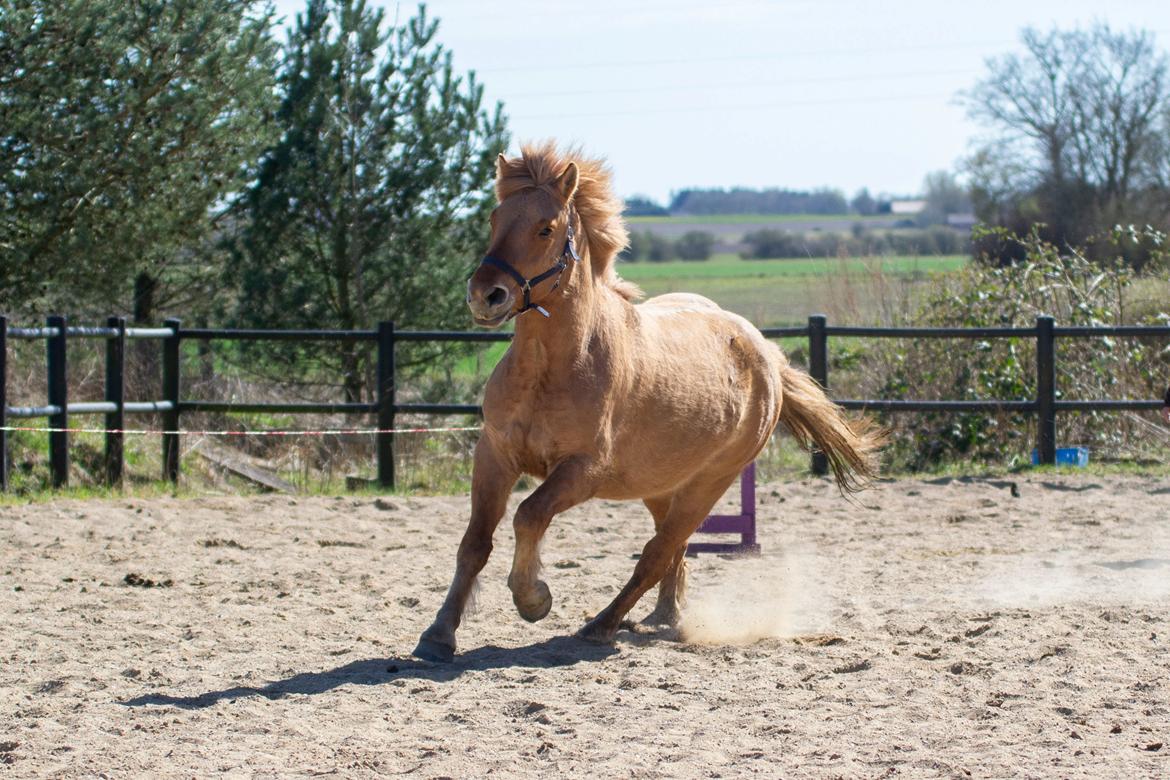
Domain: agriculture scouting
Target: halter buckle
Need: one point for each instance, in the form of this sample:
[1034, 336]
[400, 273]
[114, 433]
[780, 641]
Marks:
[570, 250]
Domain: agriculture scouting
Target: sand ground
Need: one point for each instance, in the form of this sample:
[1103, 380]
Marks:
[934, 629]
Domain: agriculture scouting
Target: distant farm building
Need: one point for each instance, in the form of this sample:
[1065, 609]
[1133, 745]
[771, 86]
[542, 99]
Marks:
[907, 207]
[961, 221]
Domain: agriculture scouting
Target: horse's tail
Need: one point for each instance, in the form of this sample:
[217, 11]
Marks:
[851, 446]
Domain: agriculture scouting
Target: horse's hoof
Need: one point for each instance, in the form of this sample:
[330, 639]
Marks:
[595, 634]
[435, 652]
[669, 618]
[536, 609]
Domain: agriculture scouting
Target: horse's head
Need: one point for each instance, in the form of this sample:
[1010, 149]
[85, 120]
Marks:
[531, 243]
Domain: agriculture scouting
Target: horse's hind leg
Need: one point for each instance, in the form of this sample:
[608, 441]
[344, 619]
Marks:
[568, 484]
[690, 507]
[672, 589]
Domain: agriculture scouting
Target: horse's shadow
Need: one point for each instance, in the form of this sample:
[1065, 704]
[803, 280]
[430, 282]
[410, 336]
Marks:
[558, 651]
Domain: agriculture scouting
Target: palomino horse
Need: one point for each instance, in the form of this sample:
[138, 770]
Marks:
[665, 401]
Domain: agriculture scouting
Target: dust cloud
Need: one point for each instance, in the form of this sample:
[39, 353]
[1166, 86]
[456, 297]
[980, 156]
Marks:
[767, 597]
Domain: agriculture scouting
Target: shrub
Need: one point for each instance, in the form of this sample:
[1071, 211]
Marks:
[1066, 285]
[859, 242]
[637, 249]
[769, 242]
[659, 248]
[695, 245]
[645, 245]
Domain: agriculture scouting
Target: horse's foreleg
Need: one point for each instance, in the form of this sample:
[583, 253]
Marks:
[568, 484]
[672, 588]
[491, 483]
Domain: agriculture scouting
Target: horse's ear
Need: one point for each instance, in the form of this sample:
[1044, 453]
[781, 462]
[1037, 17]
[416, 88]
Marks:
[566, 183]
[501, 162]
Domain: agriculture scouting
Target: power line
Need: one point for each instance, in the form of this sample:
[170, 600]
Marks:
[742, 57]
[851, 52]
[742, 107]
[579, 13]
[722, 84]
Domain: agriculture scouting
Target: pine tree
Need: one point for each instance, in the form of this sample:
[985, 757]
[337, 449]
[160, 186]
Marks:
[126, 127]
[374, 202]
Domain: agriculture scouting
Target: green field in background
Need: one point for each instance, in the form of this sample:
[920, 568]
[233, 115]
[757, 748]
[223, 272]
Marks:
[773, 293]
[730, 266]
[738, 219]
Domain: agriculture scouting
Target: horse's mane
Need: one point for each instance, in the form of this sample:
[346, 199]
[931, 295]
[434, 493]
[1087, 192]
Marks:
[599, 209]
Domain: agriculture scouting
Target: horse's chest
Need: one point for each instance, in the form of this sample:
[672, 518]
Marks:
[537, 443]
[537, 436]
[538, 421]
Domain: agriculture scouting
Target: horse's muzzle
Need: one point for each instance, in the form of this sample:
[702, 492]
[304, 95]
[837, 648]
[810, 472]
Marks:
[490, 304]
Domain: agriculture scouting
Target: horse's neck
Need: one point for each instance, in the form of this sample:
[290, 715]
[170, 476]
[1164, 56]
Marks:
[555, 344]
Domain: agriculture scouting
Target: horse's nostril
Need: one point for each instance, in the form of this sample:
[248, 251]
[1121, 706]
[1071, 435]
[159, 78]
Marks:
[497, 296]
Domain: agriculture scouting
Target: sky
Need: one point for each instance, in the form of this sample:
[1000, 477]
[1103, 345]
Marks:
[797, 94]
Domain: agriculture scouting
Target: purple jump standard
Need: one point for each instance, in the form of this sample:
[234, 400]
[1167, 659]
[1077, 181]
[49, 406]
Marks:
[743, 524]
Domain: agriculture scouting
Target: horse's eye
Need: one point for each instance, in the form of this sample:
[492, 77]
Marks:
[546, 232]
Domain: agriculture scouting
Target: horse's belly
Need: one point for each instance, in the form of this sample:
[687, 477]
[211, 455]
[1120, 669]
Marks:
[698, 415]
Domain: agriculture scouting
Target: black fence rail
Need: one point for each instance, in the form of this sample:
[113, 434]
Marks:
[1045, 405]
[169, 409]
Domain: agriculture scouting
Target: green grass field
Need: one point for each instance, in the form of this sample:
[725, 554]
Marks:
[773, 293]
[751, 219]
[730, 266]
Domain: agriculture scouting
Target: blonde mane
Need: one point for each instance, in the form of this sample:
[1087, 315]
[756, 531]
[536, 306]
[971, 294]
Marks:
[597, 206]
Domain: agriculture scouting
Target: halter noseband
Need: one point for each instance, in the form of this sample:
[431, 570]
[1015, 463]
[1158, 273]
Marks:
[526, 285]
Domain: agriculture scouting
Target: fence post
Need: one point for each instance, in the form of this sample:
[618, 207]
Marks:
[387, 398]
[58, 397]
[3, 403]
[818, 369]
[1046, 389]
[116, 394]
[170, 392]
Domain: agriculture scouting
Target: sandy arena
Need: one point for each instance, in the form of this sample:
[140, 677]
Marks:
[938, 629]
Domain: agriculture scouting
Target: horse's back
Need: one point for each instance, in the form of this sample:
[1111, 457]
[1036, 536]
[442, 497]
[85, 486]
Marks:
[704, 390]
[679, 302]
[691, 318]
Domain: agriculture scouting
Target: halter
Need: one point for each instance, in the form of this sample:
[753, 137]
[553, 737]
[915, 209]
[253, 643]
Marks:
[526, 285]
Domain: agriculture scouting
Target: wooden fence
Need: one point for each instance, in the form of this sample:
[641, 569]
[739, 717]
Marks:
[170, 408]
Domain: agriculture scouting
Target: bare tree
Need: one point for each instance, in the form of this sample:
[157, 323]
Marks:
[1029, 98]
[1077, 133]
[1118, 96]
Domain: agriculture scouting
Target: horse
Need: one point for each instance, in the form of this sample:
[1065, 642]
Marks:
[665, 401]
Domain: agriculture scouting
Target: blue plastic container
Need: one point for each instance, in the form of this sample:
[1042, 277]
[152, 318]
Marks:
[1066, 456]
